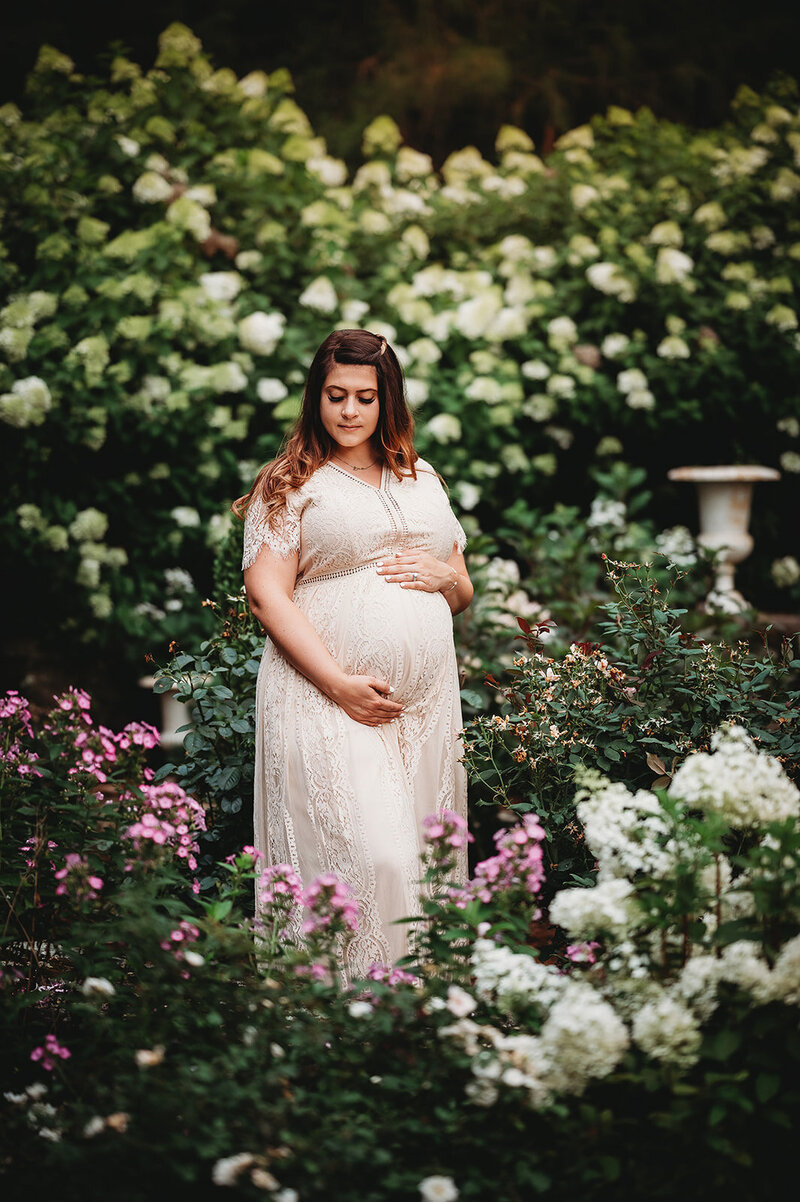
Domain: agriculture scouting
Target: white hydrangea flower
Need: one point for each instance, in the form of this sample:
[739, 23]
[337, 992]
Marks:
[415, 238]
[633, 379]
[99, 986]
[328, 170]
[785, 976]
[561, 333]
[711, 215]
[535, 369]
[581, 136]
[467, 495]
[319, 295]
[673, 347]
[782, 318]
[416, 391]
[678, 545]
[438, 1189]
[627, 831]
[444, 427]
[609, 279]
[185, 516]
[261, 332]
[412, 164]
[582, 1039]
[673, 266]
[559, 385]
[188, 215]
[607, 514]
[89, 525]
[152, 188]
[608, 907]
[786, 571]
[697, 983]
[27, 404]
[741, 964]
[666, 233]
[459, 1002]
[228, 1170]
[484, 388]
[271, 390]
[424, 350]
[221, 286]
[786, 185]
[512, 977]
[474, 316]
[127, 145]
[746, 786]
[790, 461]
[582, 195]
[666, 1029]
[614, 345]
[353, 310]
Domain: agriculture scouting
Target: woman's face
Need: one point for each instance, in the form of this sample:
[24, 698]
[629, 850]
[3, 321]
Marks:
[349, 406]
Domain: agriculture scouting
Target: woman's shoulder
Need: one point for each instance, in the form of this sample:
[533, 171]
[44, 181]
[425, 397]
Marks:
[422, 465]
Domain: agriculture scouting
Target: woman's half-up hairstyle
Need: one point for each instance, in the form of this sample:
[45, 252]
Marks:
[309, 445]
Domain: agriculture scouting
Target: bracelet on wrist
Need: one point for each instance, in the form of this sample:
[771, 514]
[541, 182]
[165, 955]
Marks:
[452, 586]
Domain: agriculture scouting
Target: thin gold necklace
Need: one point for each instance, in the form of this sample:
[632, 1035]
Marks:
[355, 469]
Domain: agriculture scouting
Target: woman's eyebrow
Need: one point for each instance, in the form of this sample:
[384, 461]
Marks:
[342, 388]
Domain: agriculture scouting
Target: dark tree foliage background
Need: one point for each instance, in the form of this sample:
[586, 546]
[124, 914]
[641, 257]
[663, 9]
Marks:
[449, 71]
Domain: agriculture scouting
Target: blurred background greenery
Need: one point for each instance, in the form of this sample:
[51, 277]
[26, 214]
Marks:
[448, 71]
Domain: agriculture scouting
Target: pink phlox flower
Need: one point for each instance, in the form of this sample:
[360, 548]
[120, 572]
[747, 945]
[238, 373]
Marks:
[389, 975]
[141, 734]
[582, 953]
[331, 903]
[46, 1053]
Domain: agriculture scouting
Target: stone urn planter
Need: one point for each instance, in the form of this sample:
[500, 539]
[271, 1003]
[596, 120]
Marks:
[174, 714]
[725, 497]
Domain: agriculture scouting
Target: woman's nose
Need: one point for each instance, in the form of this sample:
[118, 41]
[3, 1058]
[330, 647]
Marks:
[350, 408]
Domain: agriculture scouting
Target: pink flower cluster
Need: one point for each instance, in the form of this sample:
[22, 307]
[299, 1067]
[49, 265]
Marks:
[280, 887]
[179, 938]
[170, 819]
[332, 906]
[445, 833]
[388, 975]
[75, 880]
[15, 715]
[519, 861]
[248, 850]
[582, 953]
[49, 1052]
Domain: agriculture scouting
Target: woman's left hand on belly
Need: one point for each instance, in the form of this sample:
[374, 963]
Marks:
[416, 569]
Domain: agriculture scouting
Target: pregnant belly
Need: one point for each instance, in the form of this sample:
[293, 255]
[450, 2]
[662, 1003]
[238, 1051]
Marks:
[403, 636]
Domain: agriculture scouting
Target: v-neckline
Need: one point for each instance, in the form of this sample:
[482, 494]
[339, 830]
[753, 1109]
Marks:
[375, 487]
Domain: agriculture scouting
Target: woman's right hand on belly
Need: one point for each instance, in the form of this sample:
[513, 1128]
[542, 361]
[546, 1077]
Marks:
[362, 698]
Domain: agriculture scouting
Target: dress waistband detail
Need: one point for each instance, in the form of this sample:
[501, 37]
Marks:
[336, 575]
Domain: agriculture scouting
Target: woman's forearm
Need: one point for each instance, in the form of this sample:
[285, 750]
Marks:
[291, 631]
[459, 596]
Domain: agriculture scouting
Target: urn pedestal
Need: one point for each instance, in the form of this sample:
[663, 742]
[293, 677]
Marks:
[725, 497]
[174, 714]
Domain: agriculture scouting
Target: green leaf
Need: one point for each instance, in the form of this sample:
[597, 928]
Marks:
[767, 1085]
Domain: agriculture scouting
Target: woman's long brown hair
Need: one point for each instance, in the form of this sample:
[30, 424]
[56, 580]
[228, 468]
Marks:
[309, 445]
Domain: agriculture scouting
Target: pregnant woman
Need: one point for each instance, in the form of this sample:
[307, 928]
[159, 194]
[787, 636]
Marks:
[353, 564]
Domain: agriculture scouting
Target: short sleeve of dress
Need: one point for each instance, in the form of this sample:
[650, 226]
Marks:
[281, 533]
[459, 536]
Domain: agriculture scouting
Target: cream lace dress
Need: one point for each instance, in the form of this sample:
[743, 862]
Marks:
[331, 794]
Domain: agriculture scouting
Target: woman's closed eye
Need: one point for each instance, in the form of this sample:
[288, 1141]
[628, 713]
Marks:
[363, 400]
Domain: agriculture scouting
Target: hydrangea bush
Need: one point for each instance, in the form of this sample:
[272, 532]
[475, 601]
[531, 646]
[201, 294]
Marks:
[635, 704]
[177, 242]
